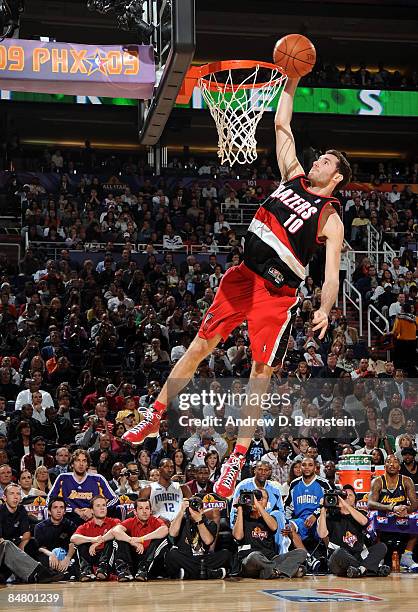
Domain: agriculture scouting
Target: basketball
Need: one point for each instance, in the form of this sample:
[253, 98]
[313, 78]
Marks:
[295, 55]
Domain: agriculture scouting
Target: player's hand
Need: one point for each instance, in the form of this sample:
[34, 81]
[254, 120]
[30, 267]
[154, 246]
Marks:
[257, 505]
[310, 521]
[342, 503]
[53, 562]
[320, 322]
[401, 510]
[196, 516]
[286, 531]
[92, 549]
[139, 549]
[63, 565]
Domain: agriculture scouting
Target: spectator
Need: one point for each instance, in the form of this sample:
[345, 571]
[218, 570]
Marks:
[392, 492]
[34, 385]
[17, 550]
[146, 535]
[201, 483]
[53, 534]
[278, 458]
[255, 531]
[404, 333]
[94, 542]
[193, 535]
[37, 456]
[302, 507]
[344, 531]
[165, 495]
[198, 445]
[409, 465]
[62, 459]
[6, 477]
[78, 487]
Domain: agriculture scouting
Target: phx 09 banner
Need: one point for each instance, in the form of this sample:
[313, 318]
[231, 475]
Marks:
[67, 68]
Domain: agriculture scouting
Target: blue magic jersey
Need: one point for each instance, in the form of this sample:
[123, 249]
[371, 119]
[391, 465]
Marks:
[303, 499]
[79, 494]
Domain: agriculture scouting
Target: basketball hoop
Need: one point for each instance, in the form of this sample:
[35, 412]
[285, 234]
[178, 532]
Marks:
[237, 107]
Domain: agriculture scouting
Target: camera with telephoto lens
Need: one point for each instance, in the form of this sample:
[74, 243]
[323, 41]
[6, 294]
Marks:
[331, 500]
[246, 498]
[196, 503]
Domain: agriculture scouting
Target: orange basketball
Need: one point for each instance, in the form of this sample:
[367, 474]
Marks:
[295, 55]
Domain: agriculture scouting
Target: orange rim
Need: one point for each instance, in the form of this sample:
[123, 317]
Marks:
[197, 74]
[236, 65]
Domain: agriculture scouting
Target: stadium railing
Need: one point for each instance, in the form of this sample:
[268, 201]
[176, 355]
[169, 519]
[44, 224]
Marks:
[373, 312]
[354, 296]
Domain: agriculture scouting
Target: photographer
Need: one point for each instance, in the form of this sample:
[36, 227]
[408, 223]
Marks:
[193, 535]
[343, 527]
[95, 423]
[129, 480]
[255, 530]
[260, 481]
[201, 442]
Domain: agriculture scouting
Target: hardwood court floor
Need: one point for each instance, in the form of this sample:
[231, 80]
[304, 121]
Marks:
[398, 592]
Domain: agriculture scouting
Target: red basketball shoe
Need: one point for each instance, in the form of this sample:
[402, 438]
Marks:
[225, 485]
[147, 428]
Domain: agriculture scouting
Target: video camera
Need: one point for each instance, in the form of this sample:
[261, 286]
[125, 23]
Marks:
[331, 501]
[246, 498]
[196, 503]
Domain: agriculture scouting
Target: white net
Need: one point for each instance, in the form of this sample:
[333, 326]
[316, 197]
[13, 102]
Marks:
[237, 110]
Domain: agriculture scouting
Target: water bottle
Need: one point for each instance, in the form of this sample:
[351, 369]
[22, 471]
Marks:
[395, 562]
[202, 573]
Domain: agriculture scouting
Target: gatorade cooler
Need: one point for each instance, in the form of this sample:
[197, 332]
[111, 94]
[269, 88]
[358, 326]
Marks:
[356, 471]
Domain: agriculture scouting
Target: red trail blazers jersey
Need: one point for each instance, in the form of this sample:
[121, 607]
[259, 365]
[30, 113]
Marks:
[283, 235]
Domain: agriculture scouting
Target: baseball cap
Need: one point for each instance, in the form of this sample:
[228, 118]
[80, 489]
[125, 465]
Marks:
[111, 389]
[409, 451]
[284, 445]
[386, 285]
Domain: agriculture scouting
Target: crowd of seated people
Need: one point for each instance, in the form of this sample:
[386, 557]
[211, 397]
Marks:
[78, 368]
[84, 349]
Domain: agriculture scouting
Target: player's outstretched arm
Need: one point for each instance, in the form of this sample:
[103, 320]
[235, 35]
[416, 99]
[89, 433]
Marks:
[285, 143]
[334, 233]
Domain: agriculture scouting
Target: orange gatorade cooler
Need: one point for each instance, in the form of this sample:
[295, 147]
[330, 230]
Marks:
[356, 471]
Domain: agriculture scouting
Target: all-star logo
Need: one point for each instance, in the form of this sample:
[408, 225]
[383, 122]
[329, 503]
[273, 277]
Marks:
[97, 62]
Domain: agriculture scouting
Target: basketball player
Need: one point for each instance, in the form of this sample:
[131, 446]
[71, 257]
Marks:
[78, 487]
[165, 495]
[393, 492]
[286, 231]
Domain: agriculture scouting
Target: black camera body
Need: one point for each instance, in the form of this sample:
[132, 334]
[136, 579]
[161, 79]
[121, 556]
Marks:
[246, 498]
[331, 498]
[196, 503]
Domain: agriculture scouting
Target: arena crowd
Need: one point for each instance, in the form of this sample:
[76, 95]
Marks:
[108, 295]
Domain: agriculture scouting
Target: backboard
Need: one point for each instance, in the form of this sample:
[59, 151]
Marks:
[174, 42]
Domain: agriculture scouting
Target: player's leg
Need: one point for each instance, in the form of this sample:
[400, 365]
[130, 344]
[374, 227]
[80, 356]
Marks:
[269, 324]
[406, 559]
[225, 313]
[258, 385]
[179, 377]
